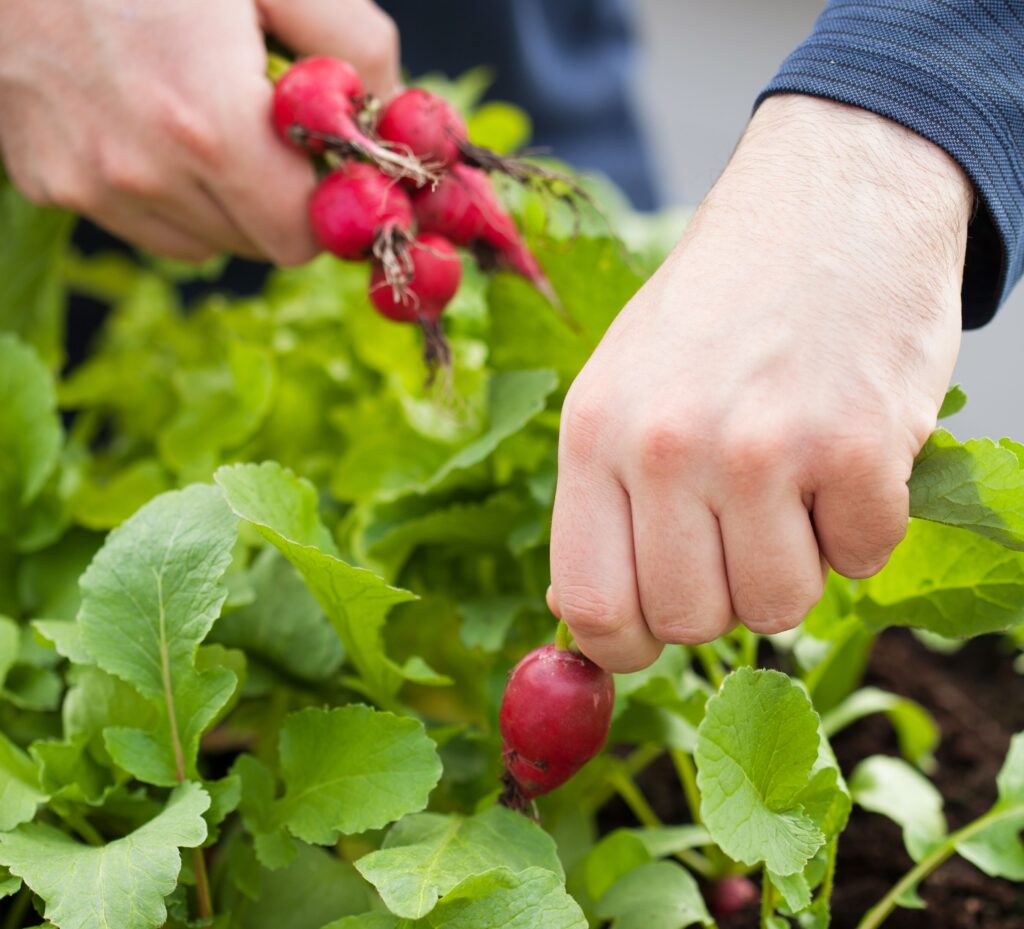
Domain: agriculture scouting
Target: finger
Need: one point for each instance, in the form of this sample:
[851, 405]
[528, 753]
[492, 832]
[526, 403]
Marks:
[265, 189]
[357, 31]
[200, 213]
[772, 558]
[593, 576]
[156, 234]
[860, 516]
[684, 592]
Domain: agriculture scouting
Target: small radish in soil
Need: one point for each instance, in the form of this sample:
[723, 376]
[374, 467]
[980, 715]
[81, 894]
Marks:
[731, 895]
[425, 124]
[464, 207]
[357, 213]
[435, 274]
[315, 110]
[554, 718]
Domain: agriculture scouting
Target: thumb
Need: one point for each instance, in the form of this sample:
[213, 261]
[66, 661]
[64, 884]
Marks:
[358, 31]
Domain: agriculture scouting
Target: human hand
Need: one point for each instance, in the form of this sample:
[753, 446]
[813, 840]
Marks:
[757, 407]
[153, 119]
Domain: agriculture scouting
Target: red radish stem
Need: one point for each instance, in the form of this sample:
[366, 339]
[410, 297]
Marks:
[315, 108]
[434, 279]
[555, 715]
[465, 208]
[356, 212]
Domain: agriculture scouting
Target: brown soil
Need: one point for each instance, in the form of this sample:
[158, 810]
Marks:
[978, 701]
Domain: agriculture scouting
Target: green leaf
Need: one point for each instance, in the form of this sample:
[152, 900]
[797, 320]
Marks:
[658, 895]
[9, 885]
[149, 598]
[976, 485]
[221, 407]
[954, 401]
[613, 857]
[67, 770]
[66, 637]
[315, 888]
[502, 899]
[891, 787]
[10, 636]
[106, 504]
[501, 127]
[274, 847]
[917, 731]
[351, 769]
[514, 398]
[20, 792]
[120, 884]
[425, 856]
[757, 746]
[283, 626]
[367, 921]
[487, 620]
[31, 290]
[794, 888]
[947, 581]
[282, 507]
[996, 845]
[30, 430]
[594, 282]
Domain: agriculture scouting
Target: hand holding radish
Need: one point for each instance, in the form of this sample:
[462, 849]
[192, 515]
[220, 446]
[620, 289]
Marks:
[756, 409]
[152, 118]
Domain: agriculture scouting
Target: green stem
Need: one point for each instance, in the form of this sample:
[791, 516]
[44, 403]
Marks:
[276, 66]
[19, 907]
[828, 881]
[749, 642]
[687, 774]
[634, 798]
[767, 900]
[712, 666]
[82, 826]
[632, 765]
[563, 637]
[881, 910]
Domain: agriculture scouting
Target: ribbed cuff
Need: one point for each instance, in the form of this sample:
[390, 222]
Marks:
[879, 74]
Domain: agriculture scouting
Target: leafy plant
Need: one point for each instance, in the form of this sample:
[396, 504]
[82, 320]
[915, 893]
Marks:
[261, 589]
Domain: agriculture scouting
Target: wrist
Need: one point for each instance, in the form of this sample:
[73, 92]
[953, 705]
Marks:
[835, 172]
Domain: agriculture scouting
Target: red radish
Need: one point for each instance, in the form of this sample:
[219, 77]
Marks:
[731, 895]
[436, 274]
[465, 208]
[354, 208]
[316, 95]
[555, 715]
[315, 110]
[425, 124]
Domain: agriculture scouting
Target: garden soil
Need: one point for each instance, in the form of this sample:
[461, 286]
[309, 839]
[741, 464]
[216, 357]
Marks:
[978, 701]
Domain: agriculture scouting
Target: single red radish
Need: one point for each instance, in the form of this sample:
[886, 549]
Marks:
[425, 124]
[315, 110]
[433, 278]
[464, 207]
[436, 274]
[354, 209]
[316, 95]
[555, 715]
[730, 895]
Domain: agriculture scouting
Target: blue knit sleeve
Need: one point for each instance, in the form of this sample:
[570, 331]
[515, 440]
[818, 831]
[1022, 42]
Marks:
[952, 71]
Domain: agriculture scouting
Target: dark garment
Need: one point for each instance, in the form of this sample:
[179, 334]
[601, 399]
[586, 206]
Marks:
[953, 71]
[567, 63]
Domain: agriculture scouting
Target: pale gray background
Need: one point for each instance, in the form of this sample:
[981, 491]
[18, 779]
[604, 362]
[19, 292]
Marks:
[704, 62]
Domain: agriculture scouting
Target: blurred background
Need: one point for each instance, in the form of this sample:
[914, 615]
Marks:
[701, 67]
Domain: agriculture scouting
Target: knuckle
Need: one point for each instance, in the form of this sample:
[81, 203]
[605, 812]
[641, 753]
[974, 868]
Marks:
[590, 613]
[71, 190]
[778, 612]
[753, 450]
[185, 126]
[129, 175]
[662, 448]
[583, 421]
[678, 630]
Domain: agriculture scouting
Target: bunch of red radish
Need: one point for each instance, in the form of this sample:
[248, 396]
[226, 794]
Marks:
[404, 187]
